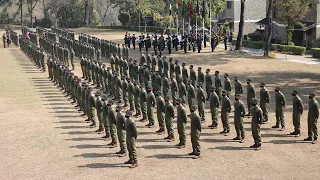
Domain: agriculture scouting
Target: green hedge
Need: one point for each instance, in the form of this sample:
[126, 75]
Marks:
[251, 44]
[315, 52]
[296, 50]
[135, 28]
[255, 36]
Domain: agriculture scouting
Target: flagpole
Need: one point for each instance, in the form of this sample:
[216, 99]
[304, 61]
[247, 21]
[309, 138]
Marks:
[210, 21]
[177, 24]
[170, 25]
[197, 25]
[203, 30]
[183, 26]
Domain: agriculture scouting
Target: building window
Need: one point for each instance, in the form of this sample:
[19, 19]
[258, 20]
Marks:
[229, 4]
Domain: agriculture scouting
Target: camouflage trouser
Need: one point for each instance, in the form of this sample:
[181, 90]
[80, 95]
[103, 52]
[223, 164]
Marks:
[131, 145]
[238, 124]
[169, 126]
[225, 121]
[195, 141]
[122, 140]
[214, 116]
[113, 132]
[182, 133]
[256, 133]
[312, 127]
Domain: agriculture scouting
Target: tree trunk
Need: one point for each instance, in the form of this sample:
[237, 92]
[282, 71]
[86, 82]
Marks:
[241, 24]
[31, 22]
[88, 13]
[268, 29]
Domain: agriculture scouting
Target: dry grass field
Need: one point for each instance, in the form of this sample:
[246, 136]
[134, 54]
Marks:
[44, 137]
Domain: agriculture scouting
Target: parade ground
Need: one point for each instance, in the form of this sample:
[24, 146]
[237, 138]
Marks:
[44, 137]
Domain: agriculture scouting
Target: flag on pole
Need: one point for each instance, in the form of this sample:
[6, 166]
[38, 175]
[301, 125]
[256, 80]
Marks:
[177, 4]
[190, 10]
[183, 9]
[170, 8]
[203, 9]
[197, 8]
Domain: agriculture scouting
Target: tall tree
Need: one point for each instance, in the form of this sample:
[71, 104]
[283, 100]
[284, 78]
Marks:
[268, 33]
[53, 8]
[31, 4]
[291, 13]
[241, 25]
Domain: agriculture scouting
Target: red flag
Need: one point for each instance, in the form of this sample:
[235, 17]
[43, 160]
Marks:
[190, 10]
[177, 4]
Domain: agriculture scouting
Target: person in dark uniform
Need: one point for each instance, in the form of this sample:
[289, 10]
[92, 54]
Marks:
[205, 40]
[212, 41]
[185, 42]
[133, 40]
[169, 44]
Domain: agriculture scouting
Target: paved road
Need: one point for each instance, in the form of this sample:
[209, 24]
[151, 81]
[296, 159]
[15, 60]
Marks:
[305, 59]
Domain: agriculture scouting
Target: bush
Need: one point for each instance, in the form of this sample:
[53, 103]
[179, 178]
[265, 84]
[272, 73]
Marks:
[255, 36]
[123, 18]
[250, 44]
[315, 52]
[295, 50]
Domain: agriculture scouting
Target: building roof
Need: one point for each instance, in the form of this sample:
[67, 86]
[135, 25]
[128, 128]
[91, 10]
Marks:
[263, 21]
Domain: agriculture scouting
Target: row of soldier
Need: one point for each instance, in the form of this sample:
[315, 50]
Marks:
[227, 107]
[159, 42]
[141, 74]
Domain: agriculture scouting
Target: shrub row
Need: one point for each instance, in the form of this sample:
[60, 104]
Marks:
[251, 44]
[296, 50]
[315, 52]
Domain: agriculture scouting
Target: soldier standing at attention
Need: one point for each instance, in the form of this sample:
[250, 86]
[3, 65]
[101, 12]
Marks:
[165, 67]
[99, 104]
[160, 65]
[201, 100]
[193, 76]
[280, 105]
[4, 40]
[239, 113]
[171, 67]
[181, 124]
[264, 101]
[125, 91]
[165, 85]
[208, 83]
[143, 102]
[174, 89]
[137, 99]
[214, 105]
[169, 115]
[105, 109]
[225, 110]
[153, 62]
[237, 86]
[151, 103]
[182, 91]
[177, 70]
[296, 113]
[313, 115]
[191, 94]
[256, 122]
[185, 75]
[160, 113]
[130, 94]
[112, 125]
[195, 132]
[200, 76]
[131, 138]
[251, 94]
[121, 131]
[227, 84]
[218, 84]
[92, 108]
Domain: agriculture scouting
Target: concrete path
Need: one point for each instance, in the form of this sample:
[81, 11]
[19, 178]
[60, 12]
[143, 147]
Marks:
[306, 59]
